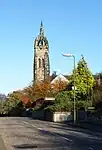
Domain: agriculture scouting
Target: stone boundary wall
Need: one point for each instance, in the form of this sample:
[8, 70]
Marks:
[58, 116]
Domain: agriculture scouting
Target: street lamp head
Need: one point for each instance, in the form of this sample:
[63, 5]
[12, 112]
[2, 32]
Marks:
[67, 55]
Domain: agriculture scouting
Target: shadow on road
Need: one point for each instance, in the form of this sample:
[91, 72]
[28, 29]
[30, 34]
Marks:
[92, 130]
[82, 141]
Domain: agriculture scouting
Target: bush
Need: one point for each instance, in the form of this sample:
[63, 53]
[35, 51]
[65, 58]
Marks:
[59, 107]
[12, 107]
[62, 102]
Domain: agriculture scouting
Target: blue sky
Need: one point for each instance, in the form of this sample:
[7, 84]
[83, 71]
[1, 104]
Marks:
[70, 25]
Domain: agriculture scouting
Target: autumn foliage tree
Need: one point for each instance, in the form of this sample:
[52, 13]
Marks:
[41, 89]
[44, 89]
[19, 95]
[59, 86]
[37, 91]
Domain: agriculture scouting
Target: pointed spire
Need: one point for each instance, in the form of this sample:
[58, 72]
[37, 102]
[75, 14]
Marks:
[41, 23]
[41, 29]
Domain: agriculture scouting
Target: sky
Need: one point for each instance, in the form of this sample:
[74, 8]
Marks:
[71, 26]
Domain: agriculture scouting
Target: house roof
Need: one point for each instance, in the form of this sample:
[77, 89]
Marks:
[59, 77]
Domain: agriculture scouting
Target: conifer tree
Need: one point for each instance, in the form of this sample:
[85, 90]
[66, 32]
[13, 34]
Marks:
[84, 80]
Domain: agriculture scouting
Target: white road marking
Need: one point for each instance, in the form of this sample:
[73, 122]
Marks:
[66, 139]
[50, 131]
[25, 122]
[39, 128]
[33, 126]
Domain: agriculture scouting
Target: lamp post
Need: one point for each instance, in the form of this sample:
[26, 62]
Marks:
[71, 55]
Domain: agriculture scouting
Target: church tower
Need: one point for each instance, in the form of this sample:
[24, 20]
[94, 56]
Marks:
[41, 57]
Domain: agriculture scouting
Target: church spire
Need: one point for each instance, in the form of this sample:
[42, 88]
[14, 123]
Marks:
[41, 57]
[41, 29]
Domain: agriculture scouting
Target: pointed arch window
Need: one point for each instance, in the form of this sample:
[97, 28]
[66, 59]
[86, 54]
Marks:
[39, 63]
[43, 62]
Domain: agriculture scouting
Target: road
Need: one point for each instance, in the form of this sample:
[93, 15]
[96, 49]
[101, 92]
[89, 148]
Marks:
[27, 134]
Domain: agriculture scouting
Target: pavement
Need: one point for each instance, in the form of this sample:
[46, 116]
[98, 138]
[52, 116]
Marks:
[19, 133]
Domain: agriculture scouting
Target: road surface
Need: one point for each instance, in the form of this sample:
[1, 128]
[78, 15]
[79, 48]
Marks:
[27, 134]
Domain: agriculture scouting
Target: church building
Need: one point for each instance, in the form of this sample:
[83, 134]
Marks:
[41, 57]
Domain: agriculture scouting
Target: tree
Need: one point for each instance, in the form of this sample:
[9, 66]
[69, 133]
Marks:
[20, 95]
[41, 89]
[59, 86]
[38, 90]
[62, 102]
[44, 89]
[12, 106]
[29, 92]
[84, 81]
